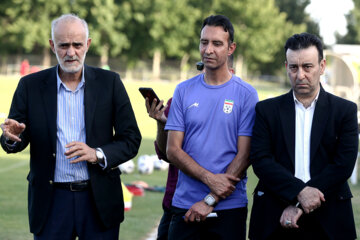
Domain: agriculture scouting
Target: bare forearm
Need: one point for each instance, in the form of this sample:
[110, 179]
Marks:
[187, 164]
[241, 161]
[239, 165]
[219, 184]
[161, 137]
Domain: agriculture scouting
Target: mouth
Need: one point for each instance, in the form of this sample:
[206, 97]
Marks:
[71, 61]
[207, 59]
[301, 85]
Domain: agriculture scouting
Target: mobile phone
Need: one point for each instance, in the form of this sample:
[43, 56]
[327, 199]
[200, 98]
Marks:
[150, 94]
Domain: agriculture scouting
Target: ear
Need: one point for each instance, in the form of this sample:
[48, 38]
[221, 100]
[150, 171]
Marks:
[232, 48]
[322, 66]
[286, 64]
[52, 45]
[88, 43]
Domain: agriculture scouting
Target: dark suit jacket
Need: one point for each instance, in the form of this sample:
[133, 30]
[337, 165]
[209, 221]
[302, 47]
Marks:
[110, 124]
[333, 152]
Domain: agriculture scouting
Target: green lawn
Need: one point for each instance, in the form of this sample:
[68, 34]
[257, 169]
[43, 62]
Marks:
[139, 221]
[143, 216]
[146, 211]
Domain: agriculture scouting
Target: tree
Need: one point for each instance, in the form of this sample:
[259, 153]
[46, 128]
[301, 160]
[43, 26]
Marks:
[6, 45]
[157, 29]
[107, 20]
[353, 26]
[295, 13]
[260, 29]
[300, 21]
[28, 24]
[160, 28]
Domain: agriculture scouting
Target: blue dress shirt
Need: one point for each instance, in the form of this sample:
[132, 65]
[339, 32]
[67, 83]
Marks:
[70, 127]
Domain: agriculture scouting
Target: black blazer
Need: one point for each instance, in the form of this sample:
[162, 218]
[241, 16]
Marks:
[110, 124]
[333, 152]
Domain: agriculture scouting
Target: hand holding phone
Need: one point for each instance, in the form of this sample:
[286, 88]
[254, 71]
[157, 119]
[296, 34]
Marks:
[150, 94]
[157, 111]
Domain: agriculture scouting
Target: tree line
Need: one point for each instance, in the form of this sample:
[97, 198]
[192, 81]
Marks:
[158, 29]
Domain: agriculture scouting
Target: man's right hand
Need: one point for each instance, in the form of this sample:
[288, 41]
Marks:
[290, 217]
[310, 199]
[12, 129]
[222, 184]
[198, 212]
[154, 110]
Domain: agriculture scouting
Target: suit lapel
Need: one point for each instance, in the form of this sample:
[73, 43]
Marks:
[321, 115]
[49, 95]
[90, 98]
[287, 117]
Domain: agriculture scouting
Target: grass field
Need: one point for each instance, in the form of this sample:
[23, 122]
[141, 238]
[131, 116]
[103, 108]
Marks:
[146, 211]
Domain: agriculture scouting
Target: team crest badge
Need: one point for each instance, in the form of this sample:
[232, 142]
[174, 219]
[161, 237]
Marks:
[228, 106]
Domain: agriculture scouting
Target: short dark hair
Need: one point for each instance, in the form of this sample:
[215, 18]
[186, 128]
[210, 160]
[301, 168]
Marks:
[303, 41]
[222, 21]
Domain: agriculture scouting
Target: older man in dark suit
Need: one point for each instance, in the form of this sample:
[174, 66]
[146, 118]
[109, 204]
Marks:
[80, 126]
[303, 150]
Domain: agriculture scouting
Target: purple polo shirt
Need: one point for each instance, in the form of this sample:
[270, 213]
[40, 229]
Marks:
[212, 118]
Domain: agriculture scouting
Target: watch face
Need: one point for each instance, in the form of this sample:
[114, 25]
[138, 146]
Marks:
[209, 200]
[99, 154]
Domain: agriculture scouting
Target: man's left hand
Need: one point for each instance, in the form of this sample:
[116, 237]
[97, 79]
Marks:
[222, 184]
[82, 151]
[198, 212]
[290, 216]
[310, 198]
[155, 111]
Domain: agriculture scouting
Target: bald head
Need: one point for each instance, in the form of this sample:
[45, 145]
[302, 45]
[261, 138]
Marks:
[68, 18]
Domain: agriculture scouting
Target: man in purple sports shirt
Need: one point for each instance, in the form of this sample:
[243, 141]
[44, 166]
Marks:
[160, 114]
[210, 126]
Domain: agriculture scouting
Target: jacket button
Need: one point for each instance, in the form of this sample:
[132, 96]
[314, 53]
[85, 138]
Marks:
[51, 182]
[54, 155]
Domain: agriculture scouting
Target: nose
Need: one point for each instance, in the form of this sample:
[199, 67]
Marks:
[70, 51]
[209, 49]
[300, 73]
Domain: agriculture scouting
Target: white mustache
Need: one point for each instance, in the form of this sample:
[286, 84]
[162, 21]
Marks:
[67, 58]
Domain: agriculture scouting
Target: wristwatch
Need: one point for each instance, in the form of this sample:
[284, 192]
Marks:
[99, 155]
[210, 200]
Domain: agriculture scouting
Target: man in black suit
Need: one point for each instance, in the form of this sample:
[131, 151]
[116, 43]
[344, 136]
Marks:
[303, 150]
[80, 126]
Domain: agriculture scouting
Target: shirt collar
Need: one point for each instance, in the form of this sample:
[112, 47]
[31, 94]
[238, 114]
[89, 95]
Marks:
[59, 82]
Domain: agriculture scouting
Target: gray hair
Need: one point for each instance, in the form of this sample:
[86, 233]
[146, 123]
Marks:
[68, 18]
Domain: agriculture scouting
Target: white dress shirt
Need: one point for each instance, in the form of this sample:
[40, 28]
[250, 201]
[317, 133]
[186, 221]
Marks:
[303, 123]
